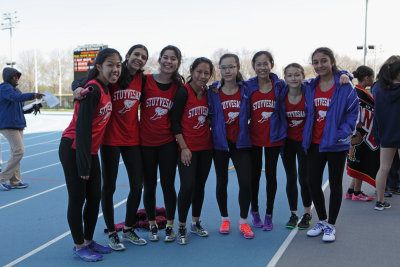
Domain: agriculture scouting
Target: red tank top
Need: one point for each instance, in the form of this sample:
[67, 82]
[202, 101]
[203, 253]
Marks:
[155, 121]
[321, 102]
[230, 106]
[296, 118]
[123, 127]
[195, 129]
[262, 107]
[101, 115]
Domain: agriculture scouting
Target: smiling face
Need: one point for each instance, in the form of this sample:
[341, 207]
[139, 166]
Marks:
[200, 75]
[110, 70]
[294, 77]
[322, 64]
[229, 69]
[262, 66]
[137, 59]
[169, 62]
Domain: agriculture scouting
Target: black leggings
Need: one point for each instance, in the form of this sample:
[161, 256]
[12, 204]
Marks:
[193, 180]
[165, 157]
[291, 149]
[316, 164]
[80, 190]
[271, 161]
[242, 162]
[132, 158]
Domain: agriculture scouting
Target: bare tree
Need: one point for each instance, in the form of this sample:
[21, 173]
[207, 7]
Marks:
[26, 65]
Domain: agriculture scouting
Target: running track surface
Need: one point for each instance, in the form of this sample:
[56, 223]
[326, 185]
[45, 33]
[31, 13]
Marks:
[35, 230]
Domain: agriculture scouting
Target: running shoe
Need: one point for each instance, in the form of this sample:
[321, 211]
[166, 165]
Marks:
[382, 205]
[348, 195]
[198, 229]
[132, 237]
[246, 230]
[99, 248]
[329, 233]
[170, 234]
[394, 191]
[20, 185]
[86, 254]
[361, 197]
[292, 221]
[5, 187]
[255, 219]
[317, 229]
[182, 236]
[268, 225]
[304, 222]
[115, 243]
[224, 229]
[153, 233]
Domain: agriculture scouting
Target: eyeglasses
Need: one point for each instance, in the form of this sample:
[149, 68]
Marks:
[229, 67]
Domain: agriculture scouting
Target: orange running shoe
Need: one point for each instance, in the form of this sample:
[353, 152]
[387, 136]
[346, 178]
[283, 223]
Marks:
[225, 227]
[246, 230]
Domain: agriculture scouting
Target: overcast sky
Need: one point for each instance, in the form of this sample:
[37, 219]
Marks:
[290, 29]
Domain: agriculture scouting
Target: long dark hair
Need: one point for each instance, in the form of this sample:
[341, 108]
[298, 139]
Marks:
[239, 76]
[126, 78]
[327, 51]
[388, 73]
[197, 62]
[100, 58]
[176, 77]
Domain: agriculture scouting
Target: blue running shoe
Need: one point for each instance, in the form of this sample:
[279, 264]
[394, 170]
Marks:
[20, 185]
[86, 254]
[5, 187]
[99, 248]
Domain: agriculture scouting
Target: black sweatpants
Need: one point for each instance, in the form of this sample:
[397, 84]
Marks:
[290, 151]
[193, 180]
[271, 155]
[132, 158]
[165, 157]
[84, 194]
[242, 162]
[316, 164]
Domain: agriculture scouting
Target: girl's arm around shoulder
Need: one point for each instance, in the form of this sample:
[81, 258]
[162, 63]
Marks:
[177, 109]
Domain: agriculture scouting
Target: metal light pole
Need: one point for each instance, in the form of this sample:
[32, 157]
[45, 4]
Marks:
[11, 20]
[365, 35]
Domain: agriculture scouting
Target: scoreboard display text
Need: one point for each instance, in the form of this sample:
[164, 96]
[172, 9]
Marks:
[84, 61]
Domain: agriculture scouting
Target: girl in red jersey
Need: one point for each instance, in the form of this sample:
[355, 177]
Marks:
[190, 126]
[329, 125]
[122, 138]
[295, 107]
[78, 154]
[159, 147]
[228, 104]
[267, 131]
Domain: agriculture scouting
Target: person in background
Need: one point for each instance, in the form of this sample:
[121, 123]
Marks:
[363, 157]
[12, 124]
[386, 126]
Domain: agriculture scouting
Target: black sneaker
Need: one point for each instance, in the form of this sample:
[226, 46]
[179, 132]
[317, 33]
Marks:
[170, 234]
[382, 205]
[153, 233]
[305, 221]
[182, 236]
[292, 221]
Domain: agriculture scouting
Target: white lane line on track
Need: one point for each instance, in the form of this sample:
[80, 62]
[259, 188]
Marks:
[41, 153]
[37, 136]
[38, 144]
[288, 239]
[58, 238]
[38, 194]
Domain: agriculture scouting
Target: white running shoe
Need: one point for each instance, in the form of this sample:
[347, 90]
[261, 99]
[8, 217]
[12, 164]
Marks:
[317, 229]
[329, 233]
